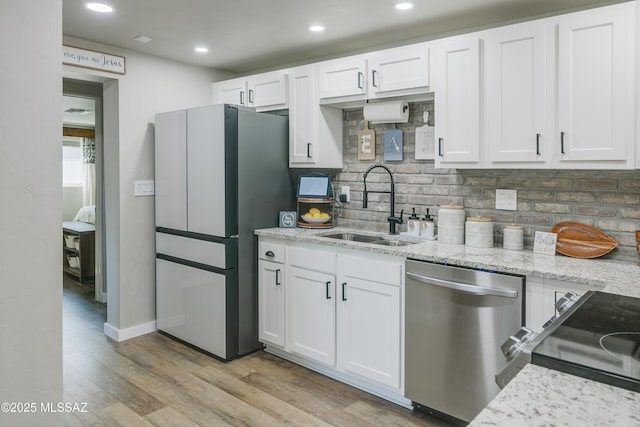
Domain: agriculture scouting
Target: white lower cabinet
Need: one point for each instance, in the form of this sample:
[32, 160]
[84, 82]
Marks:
[311, 315]
[343, 314]
[369, 319]
[271, 290]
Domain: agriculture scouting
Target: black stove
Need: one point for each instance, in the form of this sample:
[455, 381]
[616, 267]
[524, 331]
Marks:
[598, 339]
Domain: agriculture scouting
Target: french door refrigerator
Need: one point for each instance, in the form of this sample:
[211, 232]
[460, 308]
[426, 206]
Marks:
[220, 172]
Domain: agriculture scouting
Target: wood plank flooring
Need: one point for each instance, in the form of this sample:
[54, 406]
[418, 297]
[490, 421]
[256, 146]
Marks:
[153, 380]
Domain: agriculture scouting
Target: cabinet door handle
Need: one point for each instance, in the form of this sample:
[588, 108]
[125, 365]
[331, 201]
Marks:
[308, 150]
[344, 295]
[327, 284]
[360, 80]
[373, 78]
[270, 254]
[278, 277]
[562, 143]
[241, 97]
[537, 144]
[440, 147]
[250, 96]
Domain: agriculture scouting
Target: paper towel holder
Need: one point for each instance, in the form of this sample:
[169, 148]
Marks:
[386, 112]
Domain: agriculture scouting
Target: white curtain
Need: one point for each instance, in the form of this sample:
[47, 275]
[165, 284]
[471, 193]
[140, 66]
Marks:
[89, 172]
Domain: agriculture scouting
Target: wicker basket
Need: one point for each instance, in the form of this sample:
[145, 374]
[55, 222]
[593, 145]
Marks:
[582, 241]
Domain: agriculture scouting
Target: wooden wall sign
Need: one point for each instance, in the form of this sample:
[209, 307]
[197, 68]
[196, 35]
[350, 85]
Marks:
[93, 60]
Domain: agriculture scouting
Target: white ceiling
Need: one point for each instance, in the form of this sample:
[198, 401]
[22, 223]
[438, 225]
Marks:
[246, 36]
[78, 111]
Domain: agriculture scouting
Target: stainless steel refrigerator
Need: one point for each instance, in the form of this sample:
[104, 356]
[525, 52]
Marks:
[220, 172]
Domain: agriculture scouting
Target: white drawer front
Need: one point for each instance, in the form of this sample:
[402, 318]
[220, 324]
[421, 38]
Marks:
[373, 270]
[271, 251]
[322, 261]
[201, 251]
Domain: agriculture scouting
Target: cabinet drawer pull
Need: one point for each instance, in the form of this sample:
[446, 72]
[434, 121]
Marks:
[373, 78]
[241, 97]
[537, 144]
[344, 295]
[278, 277]
[250, 96]
[327, 284]
[360, 80]
[440, 147]
[562, 143]
[269, 254]
[308, 150]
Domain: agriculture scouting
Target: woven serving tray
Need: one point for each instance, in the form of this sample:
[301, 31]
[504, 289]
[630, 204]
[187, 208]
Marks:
[582, 241]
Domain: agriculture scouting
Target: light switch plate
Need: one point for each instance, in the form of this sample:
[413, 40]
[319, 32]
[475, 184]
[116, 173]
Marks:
[507, 200]
[144, 188]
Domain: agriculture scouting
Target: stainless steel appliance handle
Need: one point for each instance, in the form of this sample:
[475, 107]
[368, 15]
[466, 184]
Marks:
[470, 289]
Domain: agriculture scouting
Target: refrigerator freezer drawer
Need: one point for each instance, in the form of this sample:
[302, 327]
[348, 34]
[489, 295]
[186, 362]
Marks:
[192, 305]
[215, 254]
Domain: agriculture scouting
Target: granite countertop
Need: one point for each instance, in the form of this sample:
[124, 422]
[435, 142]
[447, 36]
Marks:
[612, 276]
[536, 396]
[544, 397]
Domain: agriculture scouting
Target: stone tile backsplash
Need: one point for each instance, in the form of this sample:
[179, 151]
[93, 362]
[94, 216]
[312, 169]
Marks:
[608, 200]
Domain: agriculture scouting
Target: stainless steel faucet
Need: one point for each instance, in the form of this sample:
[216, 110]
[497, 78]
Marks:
[393, 220]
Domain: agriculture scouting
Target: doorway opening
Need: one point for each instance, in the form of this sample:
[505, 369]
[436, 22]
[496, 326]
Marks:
[83, 202]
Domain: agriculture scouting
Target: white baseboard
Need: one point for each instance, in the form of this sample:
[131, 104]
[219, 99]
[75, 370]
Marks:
[134, 331]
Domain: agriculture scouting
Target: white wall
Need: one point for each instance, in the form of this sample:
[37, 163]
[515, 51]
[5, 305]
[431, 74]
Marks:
[31, 207]
[151, 85]
[71, 202]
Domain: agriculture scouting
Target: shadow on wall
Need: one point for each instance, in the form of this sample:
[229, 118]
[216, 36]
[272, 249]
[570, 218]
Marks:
[608, 200]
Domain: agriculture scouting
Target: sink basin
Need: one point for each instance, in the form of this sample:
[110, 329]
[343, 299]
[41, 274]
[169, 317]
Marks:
[353, 237]
[376, 240]
[392, 242]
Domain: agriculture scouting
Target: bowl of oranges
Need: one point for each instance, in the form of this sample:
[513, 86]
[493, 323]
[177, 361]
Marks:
[316, 216]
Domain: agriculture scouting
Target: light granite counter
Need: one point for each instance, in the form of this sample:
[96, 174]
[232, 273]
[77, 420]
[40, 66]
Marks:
[536, 396]
[612, 276]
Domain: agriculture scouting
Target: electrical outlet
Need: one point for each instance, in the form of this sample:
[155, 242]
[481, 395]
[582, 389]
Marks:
[507, 200]
[345, 190]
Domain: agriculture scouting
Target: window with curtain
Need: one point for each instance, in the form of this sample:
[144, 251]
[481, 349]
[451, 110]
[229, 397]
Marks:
[89, 171]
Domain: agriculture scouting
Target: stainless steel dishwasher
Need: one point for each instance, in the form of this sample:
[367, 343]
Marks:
[456, 319]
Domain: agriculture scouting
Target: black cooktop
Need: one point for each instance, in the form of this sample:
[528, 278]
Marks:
[599, 339]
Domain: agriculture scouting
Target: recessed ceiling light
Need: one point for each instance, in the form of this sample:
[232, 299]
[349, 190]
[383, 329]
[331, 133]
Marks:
[99, 7]
[143, 39]
[403, 5]
[201, 49]
[316, 28]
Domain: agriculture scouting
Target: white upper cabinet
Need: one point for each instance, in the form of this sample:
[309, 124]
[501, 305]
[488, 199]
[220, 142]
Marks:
[342, 77]
[264, 92]
[398, 69]
[232, 91]
[595, 88]
[515, 114]
[381, 74]
[559, 92]
[315, 131]
[456, 83]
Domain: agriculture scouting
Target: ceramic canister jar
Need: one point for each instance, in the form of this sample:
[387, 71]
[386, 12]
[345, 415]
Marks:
[513, 237]
[479, 232]
[451, 224]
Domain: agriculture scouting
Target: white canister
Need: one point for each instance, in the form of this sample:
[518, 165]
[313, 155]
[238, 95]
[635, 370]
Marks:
[451, 224]
[479, 232]
[513, 237]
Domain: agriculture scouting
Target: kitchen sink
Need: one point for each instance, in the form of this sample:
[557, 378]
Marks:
[388, 242]
[364, 238]
[353, 237]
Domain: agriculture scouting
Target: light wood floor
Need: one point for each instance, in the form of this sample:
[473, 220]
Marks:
[153, 380]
